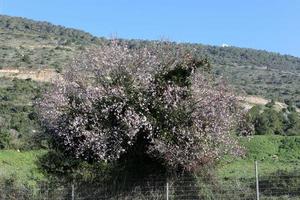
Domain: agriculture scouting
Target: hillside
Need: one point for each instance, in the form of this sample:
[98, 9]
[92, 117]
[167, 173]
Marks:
[30, 44]
[33, 53]
[40, 50]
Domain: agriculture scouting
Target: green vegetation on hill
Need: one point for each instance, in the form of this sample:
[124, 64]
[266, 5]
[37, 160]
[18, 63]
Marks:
[30, 50]
[232, 56]
[32, 44]
[21, 166]
[279, 84]
[217, 55]
[44, 29]
[268, 121]
[18, 119]
[273, 153]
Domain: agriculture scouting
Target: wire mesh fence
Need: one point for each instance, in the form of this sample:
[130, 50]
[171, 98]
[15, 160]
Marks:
[280, 185]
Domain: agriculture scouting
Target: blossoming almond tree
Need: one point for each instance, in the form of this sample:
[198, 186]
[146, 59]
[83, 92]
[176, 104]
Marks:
[114, 101]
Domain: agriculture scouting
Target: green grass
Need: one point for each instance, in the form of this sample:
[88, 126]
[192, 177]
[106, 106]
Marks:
[21, 165]
[272, 152]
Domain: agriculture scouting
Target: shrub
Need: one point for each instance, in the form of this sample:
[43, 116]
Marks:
[4, 138]
[116, 104]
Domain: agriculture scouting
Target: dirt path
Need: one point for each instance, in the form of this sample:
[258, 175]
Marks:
[250, 101]
[42, 75]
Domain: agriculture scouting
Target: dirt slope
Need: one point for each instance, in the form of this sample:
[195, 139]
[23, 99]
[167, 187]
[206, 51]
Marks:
[43, 75]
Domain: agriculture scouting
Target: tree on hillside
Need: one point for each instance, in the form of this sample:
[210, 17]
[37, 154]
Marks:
[293, 124]
[274, 121]
[266, 120]
[116, 103]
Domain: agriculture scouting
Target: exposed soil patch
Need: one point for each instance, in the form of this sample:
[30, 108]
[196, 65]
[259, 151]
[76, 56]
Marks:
[42, 75]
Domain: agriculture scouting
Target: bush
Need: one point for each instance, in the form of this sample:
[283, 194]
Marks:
[26, 59]
[292, 124]
[141, 106]
[4, 139]
[267, 120]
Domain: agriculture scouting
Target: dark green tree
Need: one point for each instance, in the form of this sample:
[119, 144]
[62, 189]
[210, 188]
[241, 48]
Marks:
[293, 124]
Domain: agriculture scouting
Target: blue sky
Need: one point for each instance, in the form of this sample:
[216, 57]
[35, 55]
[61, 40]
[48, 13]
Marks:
[273, 25]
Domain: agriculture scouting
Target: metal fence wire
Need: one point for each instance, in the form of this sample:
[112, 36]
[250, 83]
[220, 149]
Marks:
[278, 186]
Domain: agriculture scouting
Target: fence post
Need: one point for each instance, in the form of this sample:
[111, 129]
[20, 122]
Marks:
[257, 182]
[73, 191]
[167, 189]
